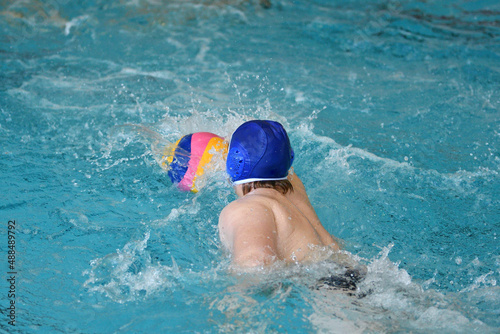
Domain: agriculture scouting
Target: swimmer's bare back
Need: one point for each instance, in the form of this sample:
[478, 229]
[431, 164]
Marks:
[265, 226]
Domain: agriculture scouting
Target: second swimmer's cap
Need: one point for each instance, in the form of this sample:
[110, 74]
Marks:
[259, 151]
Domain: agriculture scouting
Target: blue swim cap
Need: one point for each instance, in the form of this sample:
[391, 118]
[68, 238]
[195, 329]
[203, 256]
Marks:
[259, 151]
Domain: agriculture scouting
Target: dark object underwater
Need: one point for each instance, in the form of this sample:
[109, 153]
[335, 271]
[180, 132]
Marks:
[345, 282]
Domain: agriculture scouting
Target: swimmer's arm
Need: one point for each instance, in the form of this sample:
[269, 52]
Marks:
[248, 231]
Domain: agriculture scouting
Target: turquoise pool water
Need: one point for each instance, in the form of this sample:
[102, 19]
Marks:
[393, 111]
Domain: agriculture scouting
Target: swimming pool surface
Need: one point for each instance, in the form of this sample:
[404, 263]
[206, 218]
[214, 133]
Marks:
[393, 111]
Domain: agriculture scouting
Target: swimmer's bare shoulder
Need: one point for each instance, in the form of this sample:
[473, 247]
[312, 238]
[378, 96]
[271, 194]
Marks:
[247, 228]
[301, 200]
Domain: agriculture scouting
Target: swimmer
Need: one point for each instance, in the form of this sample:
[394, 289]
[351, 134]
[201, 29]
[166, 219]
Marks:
[272, 219]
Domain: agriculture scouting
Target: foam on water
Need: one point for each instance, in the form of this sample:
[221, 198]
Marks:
[128, 275]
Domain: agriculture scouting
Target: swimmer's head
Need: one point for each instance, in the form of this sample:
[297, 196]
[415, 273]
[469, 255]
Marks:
[259, 151]
[189, 157]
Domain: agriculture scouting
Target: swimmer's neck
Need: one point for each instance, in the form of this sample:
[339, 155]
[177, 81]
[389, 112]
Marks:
[239, 191]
